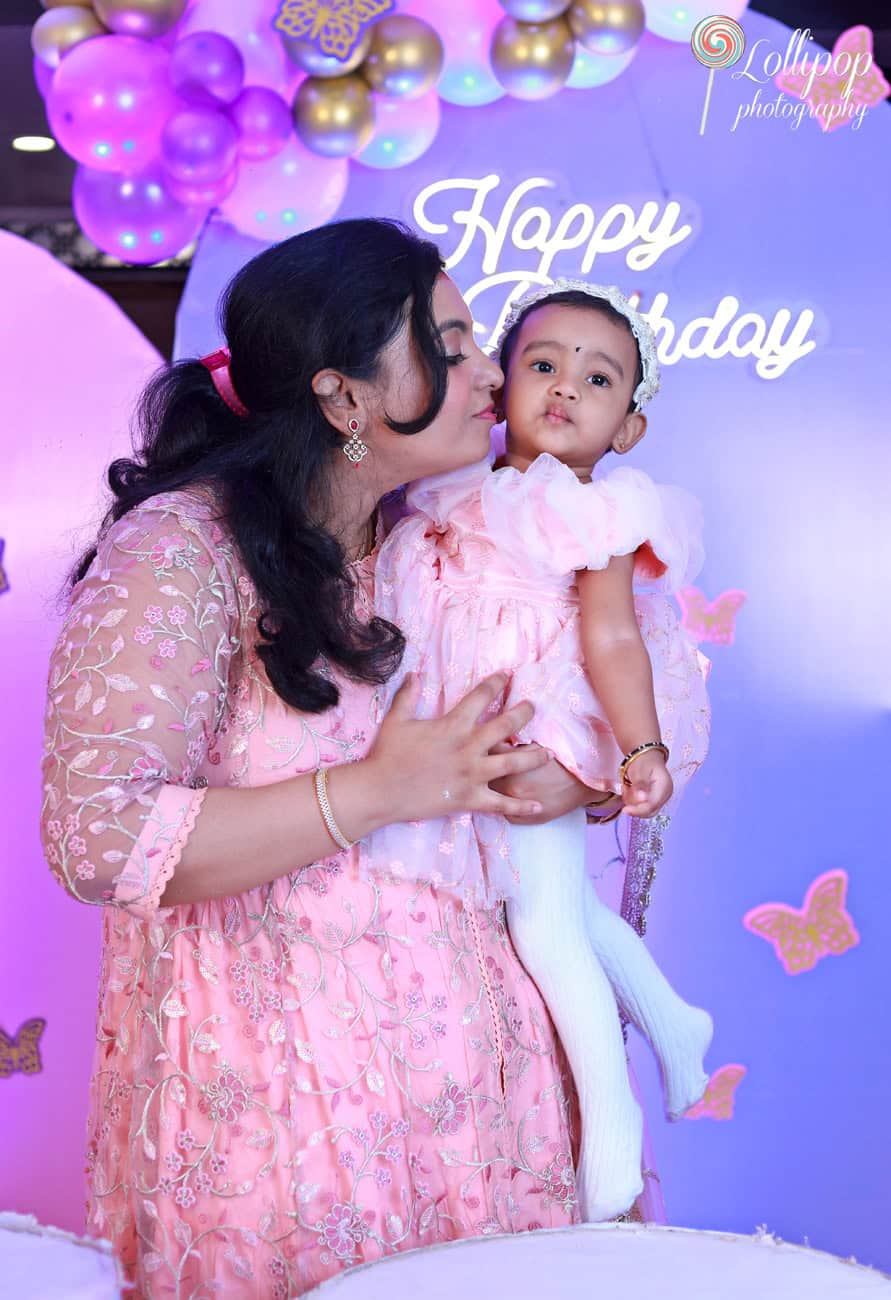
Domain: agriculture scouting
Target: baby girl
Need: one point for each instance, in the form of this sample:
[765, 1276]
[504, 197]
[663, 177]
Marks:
[531, 566]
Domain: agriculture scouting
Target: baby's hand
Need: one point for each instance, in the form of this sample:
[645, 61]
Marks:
[651, 785]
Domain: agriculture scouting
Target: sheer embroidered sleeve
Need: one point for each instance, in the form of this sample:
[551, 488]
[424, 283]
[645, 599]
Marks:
[137, 685]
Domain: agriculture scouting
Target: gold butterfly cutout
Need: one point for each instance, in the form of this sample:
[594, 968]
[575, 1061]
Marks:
[21, 1053]
[821, 928]
[336, 25]
[717, 1101]
[828, 89]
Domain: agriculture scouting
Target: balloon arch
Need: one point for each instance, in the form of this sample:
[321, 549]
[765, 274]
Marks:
[257, 108]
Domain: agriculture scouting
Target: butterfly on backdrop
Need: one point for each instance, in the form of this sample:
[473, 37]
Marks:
[717, 1101]
[4, 582]
[866, 90]
[713, 621]
[335, 25]
[822, 928]
[21, 1053]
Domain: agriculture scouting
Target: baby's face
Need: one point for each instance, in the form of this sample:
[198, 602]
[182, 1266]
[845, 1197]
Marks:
[569, 386]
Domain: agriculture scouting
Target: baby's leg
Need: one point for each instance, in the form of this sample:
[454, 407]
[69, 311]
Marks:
[678, 1033]
[548, 926]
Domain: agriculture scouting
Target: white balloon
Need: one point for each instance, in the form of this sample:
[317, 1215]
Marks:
[674, 20]
[465, 28]
[404, 129]
[281, 196]
[590, 70]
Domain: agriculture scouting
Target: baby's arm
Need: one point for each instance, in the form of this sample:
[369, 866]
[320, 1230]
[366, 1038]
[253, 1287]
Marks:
[619, 669]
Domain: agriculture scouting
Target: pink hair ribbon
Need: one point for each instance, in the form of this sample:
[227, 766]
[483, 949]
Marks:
[218, 365]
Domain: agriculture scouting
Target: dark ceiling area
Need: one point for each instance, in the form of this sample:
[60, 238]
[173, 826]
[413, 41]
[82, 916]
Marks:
[35, 188]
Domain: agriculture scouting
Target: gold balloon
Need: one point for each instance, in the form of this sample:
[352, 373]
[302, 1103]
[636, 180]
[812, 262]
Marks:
[532, 60]
[607, 26]
[57, 4]
[145, 18]
[334, 115]
[534, 11]
[405, 58]
[59, 30]
[311, 59]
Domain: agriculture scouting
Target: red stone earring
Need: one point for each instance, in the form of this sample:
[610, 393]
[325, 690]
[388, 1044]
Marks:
[355, 449]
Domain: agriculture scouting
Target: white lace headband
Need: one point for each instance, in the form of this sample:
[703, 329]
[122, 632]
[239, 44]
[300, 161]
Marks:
[640, 328]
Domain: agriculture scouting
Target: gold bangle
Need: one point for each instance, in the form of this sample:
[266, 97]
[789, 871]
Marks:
[321, 784]
[636, 753]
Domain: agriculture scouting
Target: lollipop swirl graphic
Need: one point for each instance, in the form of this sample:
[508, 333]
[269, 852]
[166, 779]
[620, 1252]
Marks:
[717, 42]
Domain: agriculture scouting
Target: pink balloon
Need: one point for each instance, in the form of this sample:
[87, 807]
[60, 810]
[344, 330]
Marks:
[263, 121]
[108, 103]
[286, 194]
[135, 218]
[199, 146]
[203, 196]
[207, 68]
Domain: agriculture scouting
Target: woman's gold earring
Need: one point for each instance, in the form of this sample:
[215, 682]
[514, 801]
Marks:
[355, 449]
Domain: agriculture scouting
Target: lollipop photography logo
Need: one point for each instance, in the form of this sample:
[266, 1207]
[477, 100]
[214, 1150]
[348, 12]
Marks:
[836, 87]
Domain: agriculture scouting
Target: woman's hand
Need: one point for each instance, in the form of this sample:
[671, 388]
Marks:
[650, 785]
[557, 790]
[431, 767]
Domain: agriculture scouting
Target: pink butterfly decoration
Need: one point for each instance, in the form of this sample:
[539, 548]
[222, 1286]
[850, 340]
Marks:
[868, 89]
[821, 928]
[713, 621]
[717, 1102]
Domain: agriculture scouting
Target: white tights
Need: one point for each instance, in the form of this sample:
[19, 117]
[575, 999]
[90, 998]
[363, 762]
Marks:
[584, 959]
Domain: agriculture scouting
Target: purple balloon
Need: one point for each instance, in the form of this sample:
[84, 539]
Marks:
[43, 76]
[199, 146]
[207, 68]
[203, 196]
[263, 120]
[135, 218]
[108, 103]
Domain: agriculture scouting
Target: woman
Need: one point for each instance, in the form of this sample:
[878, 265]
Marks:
[295, 1071]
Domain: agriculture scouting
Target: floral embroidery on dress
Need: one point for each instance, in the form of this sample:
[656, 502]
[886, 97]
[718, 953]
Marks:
[306, 1076]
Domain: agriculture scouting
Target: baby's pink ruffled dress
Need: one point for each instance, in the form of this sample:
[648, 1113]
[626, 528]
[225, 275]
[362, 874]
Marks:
[482, 579]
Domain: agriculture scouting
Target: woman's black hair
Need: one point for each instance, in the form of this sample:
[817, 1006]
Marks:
[334, 298]
[570, 298]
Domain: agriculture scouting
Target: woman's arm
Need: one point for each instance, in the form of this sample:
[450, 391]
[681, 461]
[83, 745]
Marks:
[138, 689]
[416, 769]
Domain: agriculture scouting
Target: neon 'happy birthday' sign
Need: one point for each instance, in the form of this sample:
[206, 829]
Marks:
[644, 236]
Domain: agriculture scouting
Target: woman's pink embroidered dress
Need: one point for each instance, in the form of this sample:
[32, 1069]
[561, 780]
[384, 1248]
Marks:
[309, 1075]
